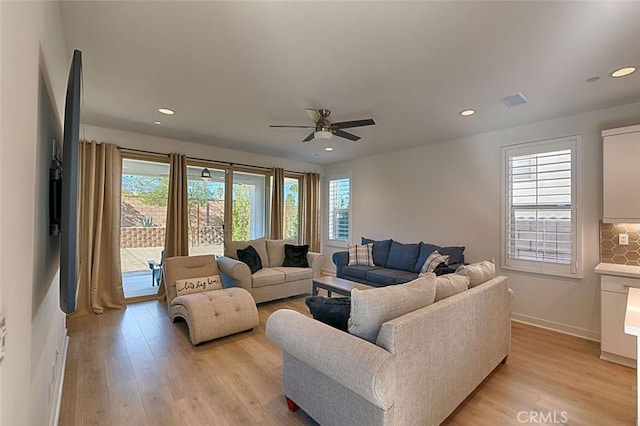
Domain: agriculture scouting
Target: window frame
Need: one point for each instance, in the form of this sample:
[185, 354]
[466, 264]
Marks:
[333, 241]
[574, 268]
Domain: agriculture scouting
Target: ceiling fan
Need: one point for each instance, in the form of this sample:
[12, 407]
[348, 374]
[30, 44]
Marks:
[324, 128]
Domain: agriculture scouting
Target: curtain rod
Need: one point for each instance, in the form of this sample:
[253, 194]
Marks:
[205, 160]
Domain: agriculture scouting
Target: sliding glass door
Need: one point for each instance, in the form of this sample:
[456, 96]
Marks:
[145, 186]
[206, 192]
[249, 206]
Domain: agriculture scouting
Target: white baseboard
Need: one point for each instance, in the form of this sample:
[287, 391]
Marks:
[60, 380]
[556, 326]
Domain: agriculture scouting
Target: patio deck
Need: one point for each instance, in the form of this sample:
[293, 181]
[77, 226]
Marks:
[138, 284]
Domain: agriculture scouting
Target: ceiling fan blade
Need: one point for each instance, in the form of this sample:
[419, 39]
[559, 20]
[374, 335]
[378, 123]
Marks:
[346, 135]
[308, 138]
[313, 114]
[295, 127]
[350, 124]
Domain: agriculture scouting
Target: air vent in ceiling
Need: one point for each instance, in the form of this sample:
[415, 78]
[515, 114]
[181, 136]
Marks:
[514, 100]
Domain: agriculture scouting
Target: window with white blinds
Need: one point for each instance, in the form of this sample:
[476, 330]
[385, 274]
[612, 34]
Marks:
[339, 209]
[540, 214]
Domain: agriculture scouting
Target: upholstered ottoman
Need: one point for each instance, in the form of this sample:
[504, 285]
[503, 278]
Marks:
[217, 313]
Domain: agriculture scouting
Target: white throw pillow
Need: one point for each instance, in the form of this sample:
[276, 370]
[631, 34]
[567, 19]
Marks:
[373, 307]
[433, 261]
[450, 284]
[196, 285]
[478, 273]
[361, 255]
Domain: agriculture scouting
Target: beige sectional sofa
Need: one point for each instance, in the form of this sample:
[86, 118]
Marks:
[273, 281]
[421, 367]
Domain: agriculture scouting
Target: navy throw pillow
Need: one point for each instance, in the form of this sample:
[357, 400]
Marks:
[296, 256]
[403, 256]
[443, 269]
[425, 250]
[251, 257]
[380, 250]
[333, 311]
[456, 254]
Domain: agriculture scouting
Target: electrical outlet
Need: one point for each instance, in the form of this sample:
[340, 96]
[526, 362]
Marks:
[623, 239]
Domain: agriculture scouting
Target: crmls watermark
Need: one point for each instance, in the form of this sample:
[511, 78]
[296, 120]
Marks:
[546, 417]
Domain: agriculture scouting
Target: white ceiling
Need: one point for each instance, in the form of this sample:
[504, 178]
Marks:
[230, 69]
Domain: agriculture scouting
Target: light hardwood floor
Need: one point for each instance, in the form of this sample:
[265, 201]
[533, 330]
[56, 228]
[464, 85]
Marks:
[134, 367]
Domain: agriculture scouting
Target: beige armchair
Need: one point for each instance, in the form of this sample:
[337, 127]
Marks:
[209, 314]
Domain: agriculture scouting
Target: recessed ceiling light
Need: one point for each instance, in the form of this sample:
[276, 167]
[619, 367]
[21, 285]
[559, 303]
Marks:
[166, 111]
[623, 72]
[157, 122]
[328, 149]
[467, 112]
[593, 79]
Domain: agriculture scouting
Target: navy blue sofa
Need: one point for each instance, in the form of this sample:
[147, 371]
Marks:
[395, 263]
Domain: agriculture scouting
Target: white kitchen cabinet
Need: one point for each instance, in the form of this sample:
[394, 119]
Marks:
[621, 175]
[615, 344]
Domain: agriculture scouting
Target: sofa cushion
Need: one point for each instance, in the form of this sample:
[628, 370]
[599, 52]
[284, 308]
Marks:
[196, 285]
[433, 261]
[425, 250]
[231, 249]
[296, 256]
[456, 254]
[358, 271]
[275, 251]
[295, 274]
[372, 307]
[361, 255]
[266, 277]
[450, 284]
[251, 257]
[380, 250]
[384, 276]
[405, 277]
[478, 272]
[333, 311]
[403, 256]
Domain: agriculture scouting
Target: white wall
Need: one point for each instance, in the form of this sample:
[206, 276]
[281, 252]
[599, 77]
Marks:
[32, 45]
[194, 150]
[449, 194]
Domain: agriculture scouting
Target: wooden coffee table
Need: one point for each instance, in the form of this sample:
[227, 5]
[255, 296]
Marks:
[336, 285]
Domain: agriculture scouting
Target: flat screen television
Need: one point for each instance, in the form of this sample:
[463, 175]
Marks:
[69, 188]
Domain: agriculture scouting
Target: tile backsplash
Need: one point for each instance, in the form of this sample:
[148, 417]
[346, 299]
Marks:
[611, 251]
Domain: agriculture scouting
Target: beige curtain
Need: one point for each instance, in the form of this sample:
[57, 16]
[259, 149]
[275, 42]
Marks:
[100, 275]
[311, 211]
[277, 205]
[176, 240]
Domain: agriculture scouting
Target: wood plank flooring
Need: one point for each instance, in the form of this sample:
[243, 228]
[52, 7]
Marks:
[134, 367]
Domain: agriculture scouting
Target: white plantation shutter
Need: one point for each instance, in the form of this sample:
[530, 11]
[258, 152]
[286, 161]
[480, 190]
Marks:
[339, 209]
[540, 215]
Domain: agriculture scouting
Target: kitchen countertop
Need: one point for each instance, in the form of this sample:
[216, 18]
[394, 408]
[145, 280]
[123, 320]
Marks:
[631, 271]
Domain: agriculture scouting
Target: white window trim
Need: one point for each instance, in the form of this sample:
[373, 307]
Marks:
[574, 142]
[332, 242]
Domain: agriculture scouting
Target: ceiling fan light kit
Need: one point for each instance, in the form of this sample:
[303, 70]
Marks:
[325, 129]
[322, 134]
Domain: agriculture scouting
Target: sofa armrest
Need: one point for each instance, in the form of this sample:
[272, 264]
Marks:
[316, 260]
[340, 259]
[355, 363]
[234, 273]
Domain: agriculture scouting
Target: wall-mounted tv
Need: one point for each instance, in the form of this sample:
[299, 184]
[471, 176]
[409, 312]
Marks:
[69, 188]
